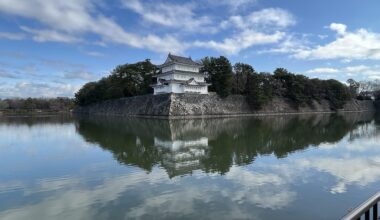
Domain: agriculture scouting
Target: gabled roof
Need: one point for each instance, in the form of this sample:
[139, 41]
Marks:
[181, 60]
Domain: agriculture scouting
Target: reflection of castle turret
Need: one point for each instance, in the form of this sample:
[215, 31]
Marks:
[182, 152]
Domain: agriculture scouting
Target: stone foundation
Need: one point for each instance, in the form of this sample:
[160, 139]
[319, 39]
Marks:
[211, 105]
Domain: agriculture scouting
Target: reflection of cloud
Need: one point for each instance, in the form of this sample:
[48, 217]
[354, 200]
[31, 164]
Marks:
[248, 189]
[339, 188]
[359, 171]
[76, 202]
[71, 198]
[10, 186]
[266, 190]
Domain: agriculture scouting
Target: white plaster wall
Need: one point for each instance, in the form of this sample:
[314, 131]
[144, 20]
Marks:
[171, 88]
[201, 90]
[176, 88]
[189, 76]
[181, 68]
[159, 90]
[199, 79]
[168, 68]
[186, 68]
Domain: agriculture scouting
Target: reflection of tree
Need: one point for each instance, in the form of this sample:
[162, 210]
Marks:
[212, 145]
[130, 140]
[37, 120]
[366, 130]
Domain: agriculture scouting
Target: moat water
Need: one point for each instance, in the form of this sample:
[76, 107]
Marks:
[279, 167]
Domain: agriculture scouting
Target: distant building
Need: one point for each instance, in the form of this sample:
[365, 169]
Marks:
[180, 75]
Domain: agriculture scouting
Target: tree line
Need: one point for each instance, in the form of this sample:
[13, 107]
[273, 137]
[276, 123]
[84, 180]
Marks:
[124, 81]
[225, 79]
[37, 104]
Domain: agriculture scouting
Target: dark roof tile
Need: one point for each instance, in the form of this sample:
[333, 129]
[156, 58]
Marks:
[183, 60]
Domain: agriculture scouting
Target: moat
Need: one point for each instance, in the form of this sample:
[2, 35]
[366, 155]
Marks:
[272, 167]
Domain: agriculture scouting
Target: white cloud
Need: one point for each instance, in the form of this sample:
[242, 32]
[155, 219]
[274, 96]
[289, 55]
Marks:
[259, 27]
[289, 44]
[181, 16]
[339, 28]
[233, 4]
[323, 70]
[7, 74]
[12, 36]
[78, 17]
[358, 71]
[358, 45]
[272, 17]
[35, 89]
[71, 20]
[93, 53]
[79, 74]
[269, 18]
[51, 36]
[241, 41]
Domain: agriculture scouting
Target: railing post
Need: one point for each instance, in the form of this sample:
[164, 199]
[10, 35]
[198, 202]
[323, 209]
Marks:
[365, 209]
[374, 212]
[366, 215]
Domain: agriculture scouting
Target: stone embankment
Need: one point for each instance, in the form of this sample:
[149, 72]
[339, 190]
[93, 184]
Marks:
[193, 105]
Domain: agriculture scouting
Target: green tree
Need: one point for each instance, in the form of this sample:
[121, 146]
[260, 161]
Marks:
[124, 81]
[3, 104]
[336, 93]
[259, 89]
[29, 104]
[241, 74]
[219, 74]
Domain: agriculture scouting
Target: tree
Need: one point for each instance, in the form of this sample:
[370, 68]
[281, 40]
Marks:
[336, 93]
[3, 104]
[124, 81]
[302, 90]
[219, 74]
[29, 104]
[241, 74]
[376, 95]
[86, 94]
[259, 89]
[353, 86]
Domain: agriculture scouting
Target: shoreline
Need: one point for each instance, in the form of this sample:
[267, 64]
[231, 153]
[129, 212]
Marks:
[39, 114]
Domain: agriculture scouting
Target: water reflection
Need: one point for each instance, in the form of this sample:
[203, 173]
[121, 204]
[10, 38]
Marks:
[231, 168]
[214, 145]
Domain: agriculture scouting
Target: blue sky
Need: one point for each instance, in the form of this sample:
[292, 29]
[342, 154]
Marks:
[51, 48]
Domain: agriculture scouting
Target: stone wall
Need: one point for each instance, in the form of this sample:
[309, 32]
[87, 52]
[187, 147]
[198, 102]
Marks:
[148, 105]
[185, 105]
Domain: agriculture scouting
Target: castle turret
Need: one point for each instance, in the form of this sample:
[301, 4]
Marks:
[180, 75]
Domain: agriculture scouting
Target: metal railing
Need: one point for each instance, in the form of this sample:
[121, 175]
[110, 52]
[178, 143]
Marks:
[366, 209]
